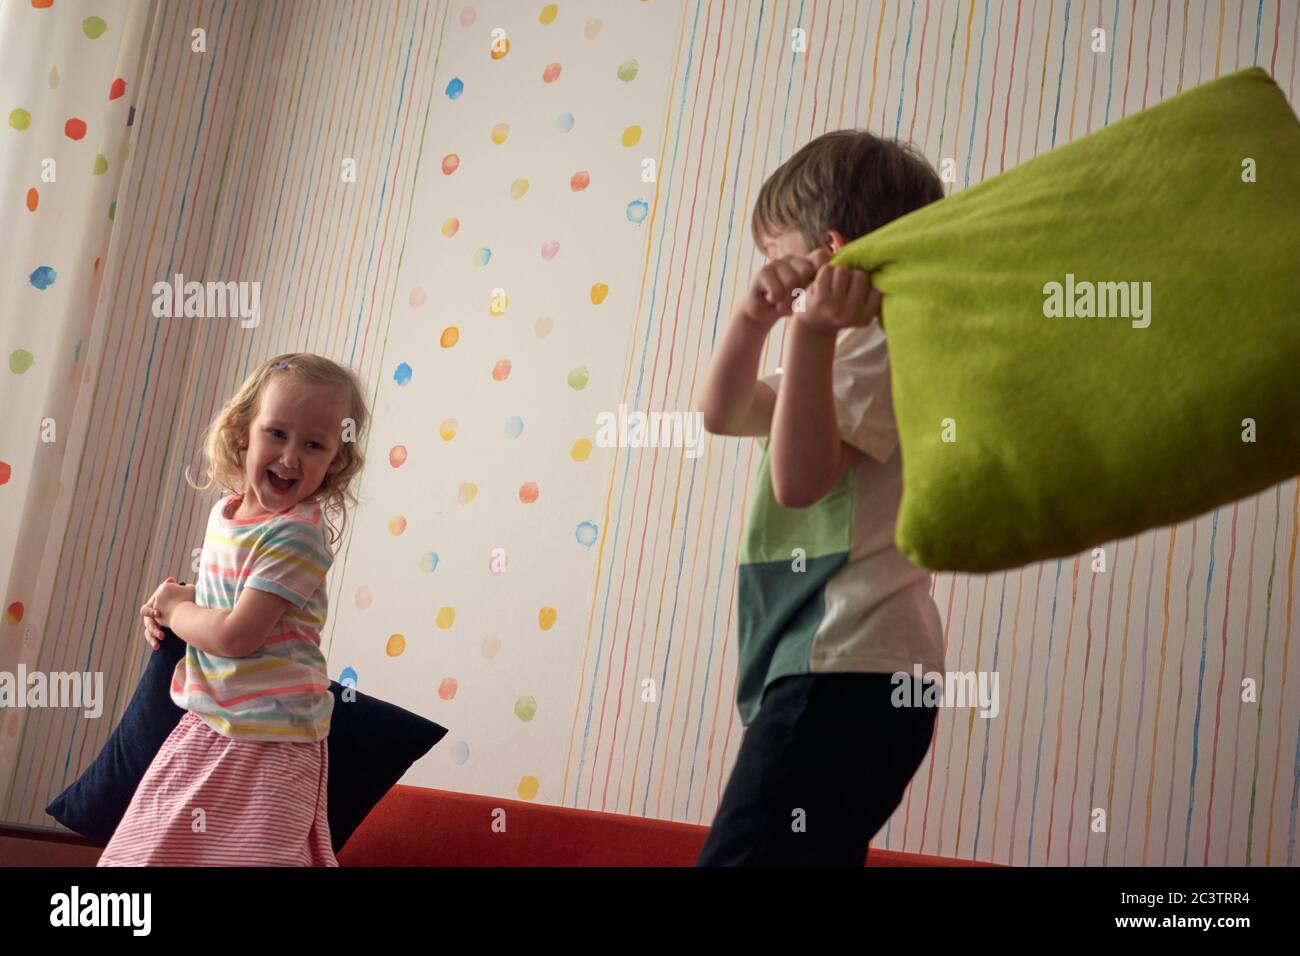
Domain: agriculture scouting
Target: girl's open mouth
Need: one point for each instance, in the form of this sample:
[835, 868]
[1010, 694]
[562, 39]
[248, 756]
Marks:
[280, 484]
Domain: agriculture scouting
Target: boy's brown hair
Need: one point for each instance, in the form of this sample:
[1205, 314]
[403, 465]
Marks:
[849, 180]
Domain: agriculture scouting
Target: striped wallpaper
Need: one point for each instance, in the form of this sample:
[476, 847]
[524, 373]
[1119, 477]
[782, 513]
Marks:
[1120, 690]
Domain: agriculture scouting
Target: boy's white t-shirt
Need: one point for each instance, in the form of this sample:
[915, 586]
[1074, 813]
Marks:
[824, 589]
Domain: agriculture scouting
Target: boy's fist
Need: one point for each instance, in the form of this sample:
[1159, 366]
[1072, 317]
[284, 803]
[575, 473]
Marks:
[771, 294]
[839, 297]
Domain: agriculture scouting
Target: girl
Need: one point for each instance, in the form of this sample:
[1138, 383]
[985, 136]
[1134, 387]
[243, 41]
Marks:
[242, 778]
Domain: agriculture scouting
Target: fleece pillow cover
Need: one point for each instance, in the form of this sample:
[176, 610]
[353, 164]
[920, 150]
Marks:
[371, 744]
[1103, 340]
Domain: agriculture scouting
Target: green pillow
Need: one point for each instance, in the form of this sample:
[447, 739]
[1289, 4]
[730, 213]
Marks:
[1072, 429]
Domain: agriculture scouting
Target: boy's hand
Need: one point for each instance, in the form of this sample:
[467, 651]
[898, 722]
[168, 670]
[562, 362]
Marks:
[839, 297]
[771, 294]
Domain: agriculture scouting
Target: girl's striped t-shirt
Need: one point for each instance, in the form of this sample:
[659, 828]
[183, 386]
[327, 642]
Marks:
[281, 691]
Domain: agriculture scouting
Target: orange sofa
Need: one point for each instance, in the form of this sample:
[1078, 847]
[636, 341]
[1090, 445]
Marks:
[417, 826]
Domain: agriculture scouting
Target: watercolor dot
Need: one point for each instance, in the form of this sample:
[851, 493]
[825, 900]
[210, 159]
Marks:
[396, 525]
[447, 688]
[20, 118]
[450, 336]
[33, 199]
[578, 378]
[349, 677]
[112, 210]
[447, 430]
[551, 73]
[518, 188]
[548, 13]
[546, 618]
[450, 163]
[467, 18]
[581, 450]
[364, 597]
[500, 133]
[586, 534]
[450, 227]
[526, 708]
[631, 136]
[527, 788]
[637, 210]
[627, 70]
[528, 492]
[402, 374]
[491, 647]
[446, 617]
[42, 4]
[101, 165]
[418, 297]
[93, 27]
[14, 613]
[500, 47]
[592, 29]
[499, 302]
[117, 89]
[42, 277]
[74, 129]
[564, 122]
[397, 456]
[501, 370]
[459, 753]
[396, 644]
[455, 88]
[514, 426]
[543, 327]
[20, 360]
[482, 256]
[467, 493]
[549, 248]
[579, 180]
[429, 562]
[598, 293]
[130, 116]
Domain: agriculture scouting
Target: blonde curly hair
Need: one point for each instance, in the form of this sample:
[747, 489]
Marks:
[225, 438]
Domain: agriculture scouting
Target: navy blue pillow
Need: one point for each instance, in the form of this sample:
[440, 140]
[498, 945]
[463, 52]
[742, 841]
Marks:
[371, 745]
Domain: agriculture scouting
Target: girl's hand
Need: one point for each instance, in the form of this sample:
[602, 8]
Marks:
[167, 598]
[839, 298]
[149, 611]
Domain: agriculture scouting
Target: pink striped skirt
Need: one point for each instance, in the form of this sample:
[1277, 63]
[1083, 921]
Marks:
[262, 803]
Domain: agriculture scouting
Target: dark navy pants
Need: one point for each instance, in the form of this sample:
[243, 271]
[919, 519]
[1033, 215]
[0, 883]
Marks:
[832, 746]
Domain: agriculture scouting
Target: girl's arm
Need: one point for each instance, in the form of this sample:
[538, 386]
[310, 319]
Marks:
[237, 632]
[201, 627]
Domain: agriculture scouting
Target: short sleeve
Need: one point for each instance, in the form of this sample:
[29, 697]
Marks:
[290, 560]
[864, 405]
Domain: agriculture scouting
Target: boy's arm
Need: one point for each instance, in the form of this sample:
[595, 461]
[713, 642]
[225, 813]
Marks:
[807, 456]
[733, 401]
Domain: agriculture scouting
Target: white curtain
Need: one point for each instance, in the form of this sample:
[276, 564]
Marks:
[69, 75]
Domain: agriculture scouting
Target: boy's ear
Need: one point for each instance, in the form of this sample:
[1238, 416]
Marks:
[834, 239]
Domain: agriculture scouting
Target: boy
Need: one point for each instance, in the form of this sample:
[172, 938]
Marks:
[829, 609]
